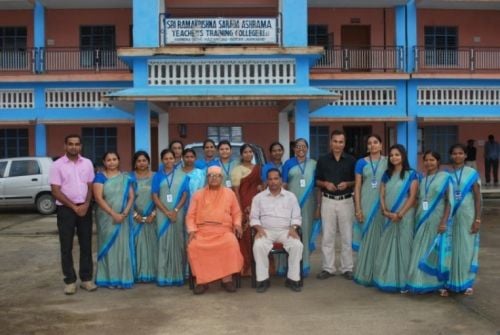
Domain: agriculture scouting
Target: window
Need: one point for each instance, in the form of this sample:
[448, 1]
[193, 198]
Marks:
[440, 139]
[97, 141]
[14, 142]
[317, 34]
[13, 41]
[441, 45]
[3, 165]
[24, 168]
[320, 141]
[97, 37]
[230, 133]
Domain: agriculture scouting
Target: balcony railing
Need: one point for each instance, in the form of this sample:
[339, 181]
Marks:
[46, 60]
[363, 59]
[458, 59]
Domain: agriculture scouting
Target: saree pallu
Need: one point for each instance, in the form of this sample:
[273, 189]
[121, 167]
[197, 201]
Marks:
[366, 235]
[144, 234]
[171, 235]
[115, 250]
[429, 261]
[465, 246]
[393, 254]
[247, 190]
[307, 201]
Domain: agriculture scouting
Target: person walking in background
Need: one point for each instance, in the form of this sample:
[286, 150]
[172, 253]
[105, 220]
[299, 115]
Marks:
[70, 179]
[471, 153]
[369, 219]
[429, 271]
[466, 222]
[114, 195]
[246, 182]
[144, 215]
[335, 177]
[398, 193]
[298, 178]
[491, 153]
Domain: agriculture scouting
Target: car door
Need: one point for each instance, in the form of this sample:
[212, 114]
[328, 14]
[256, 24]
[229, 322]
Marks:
[22, 182]
[3, 166]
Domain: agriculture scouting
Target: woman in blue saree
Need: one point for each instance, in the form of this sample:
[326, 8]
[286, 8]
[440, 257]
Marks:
[225, 162]
[177, 147]
[298, 178]
[276, 151]
[430, 261]
[209, 159]
[466, 215]
[144, 225]
[398, 193]
[369, 219]
[169, 189]
[114, 196]
[197, 177]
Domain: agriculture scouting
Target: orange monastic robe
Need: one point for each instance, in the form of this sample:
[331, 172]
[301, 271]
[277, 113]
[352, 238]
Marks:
[215, 252]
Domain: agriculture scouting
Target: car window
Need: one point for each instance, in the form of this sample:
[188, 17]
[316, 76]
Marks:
[3, 165]
[24, 168]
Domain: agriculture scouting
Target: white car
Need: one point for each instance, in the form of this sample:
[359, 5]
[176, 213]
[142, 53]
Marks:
[24, 181]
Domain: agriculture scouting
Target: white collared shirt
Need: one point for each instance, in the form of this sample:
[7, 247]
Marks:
[275, 211]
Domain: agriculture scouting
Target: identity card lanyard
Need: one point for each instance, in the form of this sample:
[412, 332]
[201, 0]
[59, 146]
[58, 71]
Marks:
[170, 197]
[458, 193]
[425, 203]
[302, 171]
[226, 172]
[374, 172]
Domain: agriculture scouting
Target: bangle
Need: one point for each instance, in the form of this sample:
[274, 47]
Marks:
[478, 220]
[176, 209]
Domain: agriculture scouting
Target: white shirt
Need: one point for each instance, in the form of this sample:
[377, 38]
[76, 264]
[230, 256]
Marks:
[275, 211]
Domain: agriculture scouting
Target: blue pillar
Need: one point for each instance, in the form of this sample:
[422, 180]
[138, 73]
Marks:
[302, 71]
[146, 22]
[411, 146]
[401, 31]
[294, 23]
[411, 33]
[402, 133]
[142, 127]
[40, 140]
[140, 66]
[39, 34]
[302, 119]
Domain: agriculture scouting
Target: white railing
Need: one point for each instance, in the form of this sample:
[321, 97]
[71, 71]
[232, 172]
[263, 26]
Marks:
[77, 97]
[431, 96]
[365, 96]
[222, 72]
[15, 99]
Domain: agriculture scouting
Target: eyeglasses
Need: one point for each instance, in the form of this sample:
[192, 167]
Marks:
[214, 175]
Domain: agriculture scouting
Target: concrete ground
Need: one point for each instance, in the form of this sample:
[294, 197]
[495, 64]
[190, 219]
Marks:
[32, 300]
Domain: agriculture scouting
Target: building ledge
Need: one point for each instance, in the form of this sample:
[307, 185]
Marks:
[67, 77]
[219, 51]
[449, 75]
[358, 76]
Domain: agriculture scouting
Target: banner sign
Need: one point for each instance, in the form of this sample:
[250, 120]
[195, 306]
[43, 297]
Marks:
[248, 30]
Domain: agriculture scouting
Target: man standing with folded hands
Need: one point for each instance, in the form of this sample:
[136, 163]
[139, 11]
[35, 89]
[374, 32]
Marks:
[335, 177]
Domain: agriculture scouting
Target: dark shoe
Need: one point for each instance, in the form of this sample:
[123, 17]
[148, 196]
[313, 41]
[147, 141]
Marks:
[200, 289]
[229, 287]
[262, 286]
[293, 285]
[348, 275]
[324, 275]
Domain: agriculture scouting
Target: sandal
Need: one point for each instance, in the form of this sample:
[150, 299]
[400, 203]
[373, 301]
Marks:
[469, 291]
[443, 292]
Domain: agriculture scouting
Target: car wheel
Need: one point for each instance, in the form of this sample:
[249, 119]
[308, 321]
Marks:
[45, 204]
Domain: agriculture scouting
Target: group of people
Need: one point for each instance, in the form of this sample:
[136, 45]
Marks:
[195, 217]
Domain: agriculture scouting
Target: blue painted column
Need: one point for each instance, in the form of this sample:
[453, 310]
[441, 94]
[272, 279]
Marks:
[401, 32]
[302, 119]
[302, 71]
[146, 22]
[40, 128]
[39, 34]
[411, 146]
[294, 23]
[142, 127]
[411, 33]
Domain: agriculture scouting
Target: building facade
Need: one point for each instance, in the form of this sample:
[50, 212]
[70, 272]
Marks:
[130, 75]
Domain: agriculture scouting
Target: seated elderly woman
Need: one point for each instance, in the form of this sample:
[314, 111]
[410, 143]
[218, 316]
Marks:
[213, 220]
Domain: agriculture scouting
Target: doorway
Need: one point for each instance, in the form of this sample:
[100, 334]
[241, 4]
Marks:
[356, 140]
[356, 41]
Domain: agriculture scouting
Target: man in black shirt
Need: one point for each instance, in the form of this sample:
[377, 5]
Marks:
[335, 177]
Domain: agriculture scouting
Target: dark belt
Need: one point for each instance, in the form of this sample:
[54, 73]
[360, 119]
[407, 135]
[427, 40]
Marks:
[337, 197]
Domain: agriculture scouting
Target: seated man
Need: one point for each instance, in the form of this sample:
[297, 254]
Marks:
[275, 214]
[213, 219]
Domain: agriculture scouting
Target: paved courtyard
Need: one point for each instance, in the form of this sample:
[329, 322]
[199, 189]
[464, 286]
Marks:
[32, 301]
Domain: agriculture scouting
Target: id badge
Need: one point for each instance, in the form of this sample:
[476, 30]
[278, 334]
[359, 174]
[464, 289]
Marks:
[228, 183]
[170, 198]
[458, 195]
[425, 205]
[374, 183]
[302, 182]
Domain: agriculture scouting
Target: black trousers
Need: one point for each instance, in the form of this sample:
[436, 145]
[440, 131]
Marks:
[67, 223]
[491, 164]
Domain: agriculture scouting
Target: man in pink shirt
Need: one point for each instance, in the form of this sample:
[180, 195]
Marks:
[71, 179]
